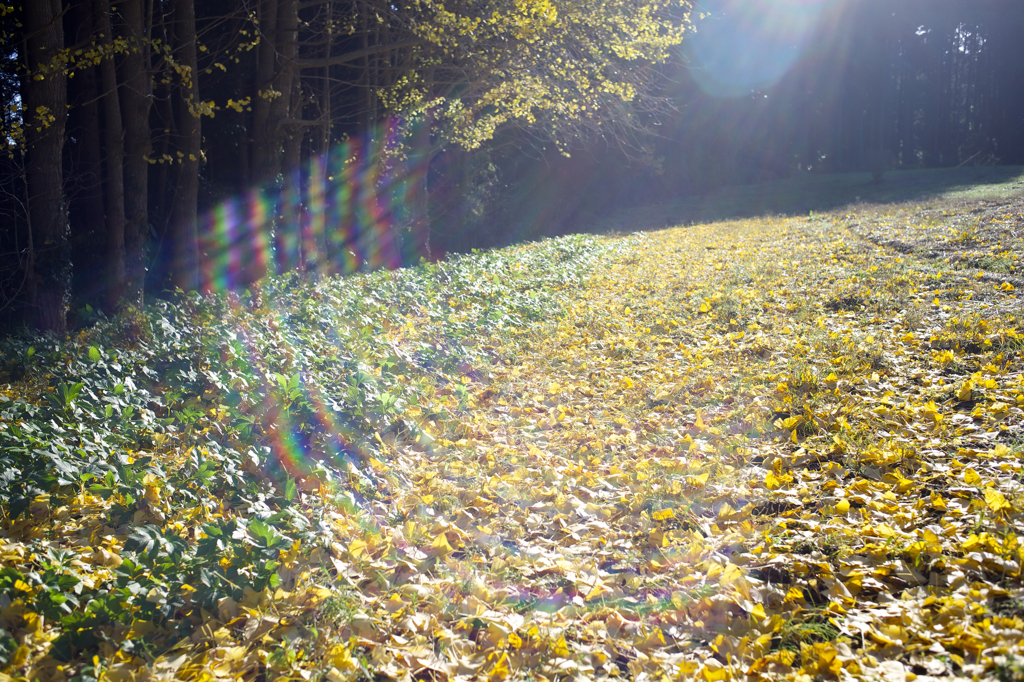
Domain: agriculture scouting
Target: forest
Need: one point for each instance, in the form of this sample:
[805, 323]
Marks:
[208, 144]
[511, 340]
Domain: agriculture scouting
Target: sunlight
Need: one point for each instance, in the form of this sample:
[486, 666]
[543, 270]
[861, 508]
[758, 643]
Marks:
[749, 45]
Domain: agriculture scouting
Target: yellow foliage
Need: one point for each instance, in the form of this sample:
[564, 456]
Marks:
[548, 63]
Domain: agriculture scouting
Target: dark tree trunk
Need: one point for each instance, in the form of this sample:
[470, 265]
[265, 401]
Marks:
[83, 159]
[271, 106]
[274, 73]
[162, 190]
[419, 172]
[291, 162]
[45, 100]
[113, 160]
[367, 116]
[266, 143]
[183, 209]
[136, 100]
[286, 76]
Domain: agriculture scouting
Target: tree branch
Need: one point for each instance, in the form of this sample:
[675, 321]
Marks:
[302, 122]
[353, 55]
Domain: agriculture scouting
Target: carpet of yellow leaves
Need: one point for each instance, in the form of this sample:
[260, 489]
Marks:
[767, 448]
[781, 448]
[764, 448]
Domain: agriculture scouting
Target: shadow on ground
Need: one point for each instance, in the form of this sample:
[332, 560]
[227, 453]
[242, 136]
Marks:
[800, 195]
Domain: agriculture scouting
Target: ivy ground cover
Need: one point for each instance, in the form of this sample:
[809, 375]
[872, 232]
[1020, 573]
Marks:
[777, 448]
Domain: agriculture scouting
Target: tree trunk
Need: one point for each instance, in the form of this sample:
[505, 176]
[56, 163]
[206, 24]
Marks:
[271, 106]
[291, 164]
[183, 216]
[265, 142]
[163, 191]
[135, 105]
[83, 159]
[45, 100]
[366, 115]
[113, 172]
[320, 148]
[274, 72]
[417, 174]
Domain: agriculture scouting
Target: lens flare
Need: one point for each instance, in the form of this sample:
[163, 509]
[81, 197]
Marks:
[355, 208]
[352, 209]
[749, 45]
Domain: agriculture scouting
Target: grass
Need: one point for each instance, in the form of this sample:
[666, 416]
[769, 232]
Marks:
[817, 194]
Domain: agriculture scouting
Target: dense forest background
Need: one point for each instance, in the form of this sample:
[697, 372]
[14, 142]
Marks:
[208, 143]
[764, 91]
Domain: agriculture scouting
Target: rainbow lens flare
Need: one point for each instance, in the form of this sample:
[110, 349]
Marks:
[349, 210]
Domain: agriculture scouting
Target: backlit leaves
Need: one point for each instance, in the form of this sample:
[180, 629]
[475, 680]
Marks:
[549, 65]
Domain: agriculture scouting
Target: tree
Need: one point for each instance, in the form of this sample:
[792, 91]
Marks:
[278, 23]
[44, 95]
[562, 69]
[187, 113]
[451, 72]
[136, 101]
[113, 159]
[83, 154]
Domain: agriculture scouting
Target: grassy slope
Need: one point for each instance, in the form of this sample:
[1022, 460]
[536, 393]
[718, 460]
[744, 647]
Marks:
[819, 193]
[769, 446]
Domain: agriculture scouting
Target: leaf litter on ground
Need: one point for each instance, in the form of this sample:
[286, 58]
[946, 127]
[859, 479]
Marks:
[775, 448]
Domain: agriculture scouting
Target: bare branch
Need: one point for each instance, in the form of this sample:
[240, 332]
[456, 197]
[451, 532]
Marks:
[353, 55]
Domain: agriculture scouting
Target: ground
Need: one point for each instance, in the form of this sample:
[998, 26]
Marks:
[783, 447]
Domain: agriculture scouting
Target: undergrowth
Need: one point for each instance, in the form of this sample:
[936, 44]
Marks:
[168, 462]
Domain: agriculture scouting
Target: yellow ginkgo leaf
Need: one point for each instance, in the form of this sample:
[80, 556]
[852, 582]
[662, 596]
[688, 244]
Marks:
[658, 538]
[699, 480]
[794, 594]
[560, 647]
[1000, 450]
[654, 640]
[440, 545]
[598, 590]
[733, 577]
[357, 548]
[713, 671]
[966, 391]
[995, 501]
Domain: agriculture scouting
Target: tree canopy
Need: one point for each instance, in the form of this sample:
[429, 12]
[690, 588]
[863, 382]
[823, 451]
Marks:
[557, 66]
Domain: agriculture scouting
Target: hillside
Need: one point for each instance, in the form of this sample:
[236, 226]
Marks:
[772, 446]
